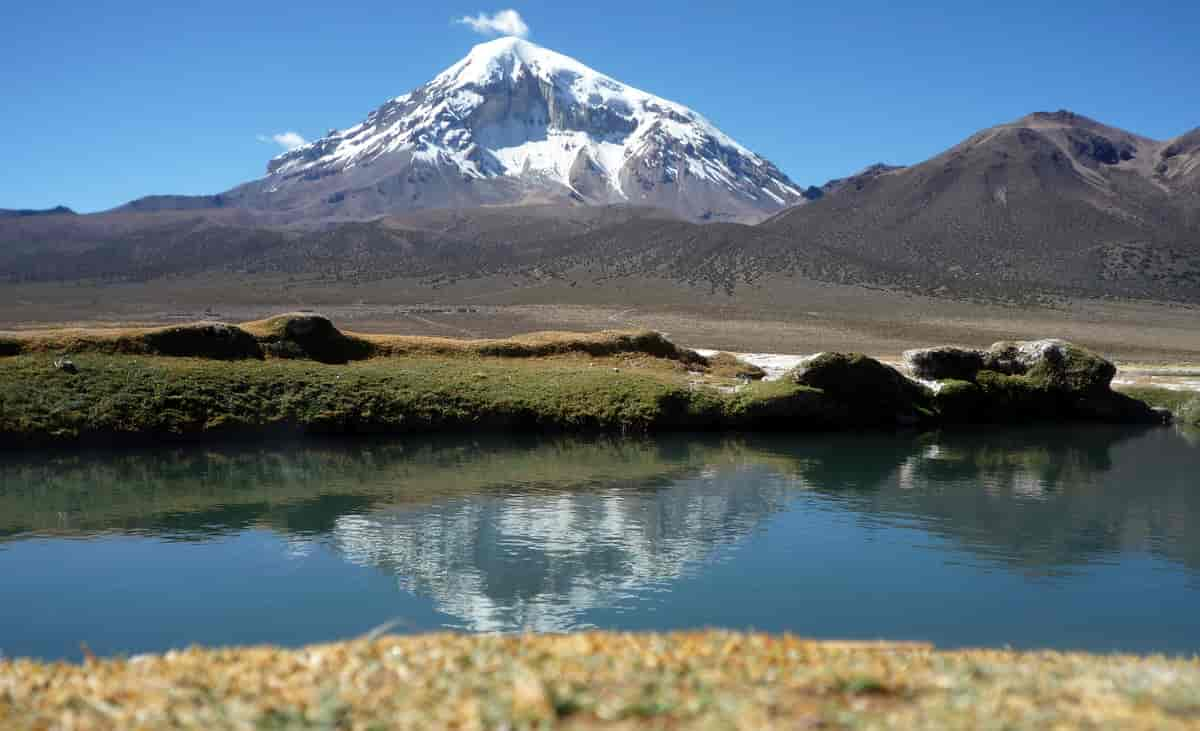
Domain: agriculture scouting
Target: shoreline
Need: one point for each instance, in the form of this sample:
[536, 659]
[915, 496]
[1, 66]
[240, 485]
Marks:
[296, 375]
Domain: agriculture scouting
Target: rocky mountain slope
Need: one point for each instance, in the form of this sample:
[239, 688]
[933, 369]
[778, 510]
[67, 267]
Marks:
[514, 123]
[1052, 203]
[1051, 200]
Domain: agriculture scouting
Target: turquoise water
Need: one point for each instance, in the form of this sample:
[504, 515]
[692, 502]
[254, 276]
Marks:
[1084, 538]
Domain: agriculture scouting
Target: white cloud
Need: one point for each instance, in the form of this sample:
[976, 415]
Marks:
[286, 140]
[504, 23]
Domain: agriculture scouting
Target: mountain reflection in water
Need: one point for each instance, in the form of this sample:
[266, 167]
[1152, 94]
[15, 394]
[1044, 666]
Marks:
[556, 534]
[536, 560]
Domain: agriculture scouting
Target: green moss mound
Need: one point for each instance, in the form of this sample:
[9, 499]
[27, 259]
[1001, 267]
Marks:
[310, 337]
[1026, 381]
[958, 401]
[1006, 398]
[875, 393]
[204, 340]
[1053, 364]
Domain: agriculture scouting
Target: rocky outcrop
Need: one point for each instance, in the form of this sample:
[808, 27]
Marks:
[944, 362]
[1017, 381]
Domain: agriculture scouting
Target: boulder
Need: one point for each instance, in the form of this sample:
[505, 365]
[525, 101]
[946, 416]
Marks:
[944, 362]
[1054, 364]
[1021, 381]
[1051, 363]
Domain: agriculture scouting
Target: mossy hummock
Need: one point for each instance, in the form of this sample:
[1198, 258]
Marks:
[1023, 381]
[300, 374]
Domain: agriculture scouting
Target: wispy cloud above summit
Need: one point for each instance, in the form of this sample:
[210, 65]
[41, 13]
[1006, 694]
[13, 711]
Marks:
[506, 22]
[287, 140]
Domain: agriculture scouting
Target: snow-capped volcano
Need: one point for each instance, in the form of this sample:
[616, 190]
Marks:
[516, 123]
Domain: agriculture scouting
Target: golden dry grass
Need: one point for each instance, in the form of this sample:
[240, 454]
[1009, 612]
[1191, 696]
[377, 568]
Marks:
[728, 365]
[142, 341]
[79, 340]
[602, 680]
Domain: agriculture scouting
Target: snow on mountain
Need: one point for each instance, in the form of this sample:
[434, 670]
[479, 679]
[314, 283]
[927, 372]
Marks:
[516, 123]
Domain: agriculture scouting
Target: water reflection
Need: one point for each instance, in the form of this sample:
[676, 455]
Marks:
[538, 560]
[540, 534]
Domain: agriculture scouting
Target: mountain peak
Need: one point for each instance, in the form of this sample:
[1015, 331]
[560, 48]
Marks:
[505, 54]
[1066, 119]
[513, 122]
[503, 46]
[1062, 116]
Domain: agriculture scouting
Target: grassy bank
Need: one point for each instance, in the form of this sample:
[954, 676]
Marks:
[111, 397]
[598, 680]
[313, 337]
[300, 374]
[1185, 405]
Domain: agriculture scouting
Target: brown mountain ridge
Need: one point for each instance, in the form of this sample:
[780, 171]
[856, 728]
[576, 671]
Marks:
[1050, 203]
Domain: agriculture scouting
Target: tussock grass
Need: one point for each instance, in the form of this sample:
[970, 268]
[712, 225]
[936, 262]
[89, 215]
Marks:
[541, 345]
[603, 680]
[728, 365]
[305, 336]
[119, 387]
[201, 340]
[314, 337]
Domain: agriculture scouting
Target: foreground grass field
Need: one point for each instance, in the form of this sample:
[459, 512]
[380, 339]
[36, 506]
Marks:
[598, 680]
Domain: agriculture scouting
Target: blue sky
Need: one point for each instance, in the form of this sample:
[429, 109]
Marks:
[109, 101]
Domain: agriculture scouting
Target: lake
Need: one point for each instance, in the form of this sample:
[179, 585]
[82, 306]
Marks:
[1080, 538]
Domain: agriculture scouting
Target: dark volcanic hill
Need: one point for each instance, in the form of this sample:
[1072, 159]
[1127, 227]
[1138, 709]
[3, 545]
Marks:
[1052, 203]
[1053, 200]
[31, 212]
[596, 244]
